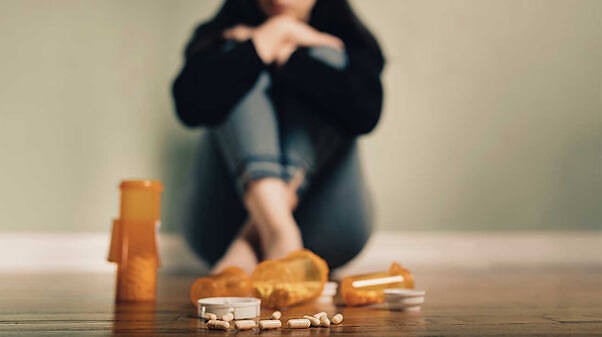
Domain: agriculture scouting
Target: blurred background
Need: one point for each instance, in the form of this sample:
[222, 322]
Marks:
[492, 118]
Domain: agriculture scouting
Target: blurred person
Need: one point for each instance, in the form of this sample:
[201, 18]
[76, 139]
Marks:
[284, 87]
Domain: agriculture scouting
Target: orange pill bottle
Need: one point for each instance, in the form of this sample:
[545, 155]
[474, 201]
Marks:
[134, 242]
[298, 277]
[369, 288]
[231, 282]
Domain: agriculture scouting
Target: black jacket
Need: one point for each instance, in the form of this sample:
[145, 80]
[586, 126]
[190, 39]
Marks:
[214, 79]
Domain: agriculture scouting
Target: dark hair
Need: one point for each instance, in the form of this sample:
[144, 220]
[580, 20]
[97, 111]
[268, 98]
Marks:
[335, 17]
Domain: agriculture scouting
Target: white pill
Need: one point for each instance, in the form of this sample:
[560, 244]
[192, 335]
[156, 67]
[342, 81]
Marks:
[218, 325]
[298, 323]
[209, 316]
[320, 314]
[276, 315]
[314, 321]
[246, 324]
[337, 319]
[324, 321]
[228, 317]
[269, 324]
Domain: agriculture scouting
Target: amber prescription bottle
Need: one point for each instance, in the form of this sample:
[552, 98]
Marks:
[369, 288]
[296, 278]
[231, 282]
[134, 242]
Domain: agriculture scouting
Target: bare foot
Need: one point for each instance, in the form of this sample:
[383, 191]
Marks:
[269, 242]
[286, 240]
[240, 254]
[281, 243]
[269, 202]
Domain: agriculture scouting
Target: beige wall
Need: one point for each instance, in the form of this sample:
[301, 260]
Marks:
[492, 115]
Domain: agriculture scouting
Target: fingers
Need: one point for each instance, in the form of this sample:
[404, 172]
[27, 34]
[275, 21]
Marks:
[307, 36]
[277, 38]
[228, 33]
[284, 53]
[239, 33]
[327, 40]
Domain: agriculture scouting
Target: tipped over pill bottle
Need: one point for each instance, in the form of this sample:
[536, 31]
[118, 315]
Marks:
[369, 288]
[298, 277]
[231, 282]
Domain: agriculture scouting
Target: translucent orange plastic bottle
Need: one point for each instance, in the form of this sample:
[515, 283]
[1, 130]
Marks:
[231, 282]
[140, 200]
[296, 278]
[134, 242]
[369, 288]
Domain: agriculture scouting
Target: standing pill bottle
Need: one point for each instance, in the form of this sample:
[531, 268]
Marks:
[140, 200]
[369, 288]
[231, 282]
[134, 242]
[298, 277]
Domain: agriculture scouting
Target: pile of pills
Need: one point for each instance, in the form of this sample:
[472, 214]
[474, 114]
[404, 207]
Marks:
[318, 320]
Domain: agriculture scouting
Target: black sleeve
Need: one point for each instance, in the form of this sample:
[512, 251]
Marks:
[351, 97]
[212, 81]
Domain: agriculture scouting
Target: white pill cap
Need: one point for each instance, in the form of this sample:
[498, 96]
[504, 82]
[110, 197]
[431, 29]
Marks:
[328, 294]
[404, 299]
[240, 307]
[397, 293]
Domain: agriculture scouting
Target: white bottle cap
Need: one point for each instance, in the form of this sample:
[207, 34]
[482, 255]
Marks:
[404, 299]
[240, 307]
[396, 292]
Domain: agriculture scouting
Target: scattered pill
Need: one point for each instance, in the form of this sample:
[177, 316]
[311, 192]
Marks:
[228, 317]
[337, 319]
[218, 325]
[209, 316]
[314, 321]
[298, 323]
[276, 315]
[324, 321]
[246, 324]
[320, 315]
[269, 324]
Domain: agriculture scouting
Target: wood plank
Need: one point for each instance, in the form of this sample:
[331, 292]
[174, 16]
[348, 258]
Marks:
[487, 302]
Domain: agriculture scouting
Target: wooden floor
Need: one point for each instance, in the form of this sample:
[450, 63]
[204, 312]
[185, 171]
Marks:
[482, 302]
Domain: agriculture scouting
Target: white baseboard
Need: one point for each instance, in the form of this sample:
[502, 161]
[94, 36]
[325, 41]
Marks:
[86, 252]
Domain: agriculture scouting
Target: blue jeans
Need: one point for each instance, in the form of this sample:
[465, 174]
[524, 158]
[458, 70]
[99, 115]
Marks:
[256, 141]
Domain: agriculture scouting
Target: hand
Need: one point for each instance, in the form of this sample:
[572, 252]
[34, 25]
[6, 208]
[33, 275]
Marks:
[238, 33]
[284, 53]
[278, 37]
[304, 35]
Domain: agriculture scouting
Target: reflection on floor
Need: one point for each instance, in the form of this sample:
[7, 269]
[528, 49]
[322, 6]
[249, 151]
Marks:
[510, 300]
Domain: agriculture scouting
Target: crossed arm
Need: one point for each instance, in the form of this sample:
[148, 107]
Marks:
[213, 80]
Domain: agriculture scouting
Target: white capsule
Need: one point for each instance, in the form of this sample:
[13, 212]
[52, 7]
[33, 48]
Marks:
[276, 315]
[218, 325]
[209, 316]
[314, 321]
[337, 319]
[246, 324]
[228, 317]
[320, 314]
[269, 324]
[324, 321]
[298, 323]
